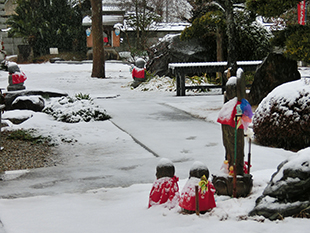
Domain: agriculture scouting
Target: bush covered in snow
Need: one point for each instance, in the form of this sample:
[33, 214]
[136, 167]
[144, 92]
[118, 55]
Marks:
[73, 110]
[282, 119]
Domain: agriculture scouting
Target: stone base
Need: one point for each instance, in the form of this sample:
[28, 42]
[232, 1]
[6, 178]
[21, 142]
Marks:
[16, 87]
[224, 185]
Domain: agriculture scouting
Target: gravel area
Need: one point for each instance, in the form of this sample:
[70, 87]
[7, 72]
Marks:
[20, 154]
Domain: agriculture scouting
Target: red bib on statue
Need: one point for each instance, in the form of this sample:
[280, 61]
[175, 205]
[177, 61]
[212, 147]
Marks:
[206, 199]
[18, 77]
[165, 191]
[138, 72]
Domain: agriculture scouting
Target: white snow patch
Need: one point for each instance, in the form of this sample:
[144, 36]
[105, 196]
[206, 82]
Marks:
[164, 162]
[11, 175]
[198, 165]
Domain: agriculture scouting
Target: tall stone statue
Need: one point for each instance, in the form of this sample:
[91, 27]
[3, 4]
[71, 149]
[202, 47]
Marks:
[235, 87]
[241, 184]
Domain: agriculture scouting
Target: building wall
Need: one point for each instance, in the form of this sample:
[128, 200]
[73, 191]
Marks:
[10, 44]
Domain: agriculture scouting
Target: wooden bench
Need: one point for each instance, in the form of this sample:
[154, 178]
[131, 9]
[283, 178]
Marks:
[180, 70]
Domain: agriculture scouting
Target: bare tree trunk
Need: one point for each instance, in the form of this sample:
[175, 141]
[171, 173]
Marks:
[138, 25]
[231, 34]
[97, 31]
[143, 24]
[219, 44]
[219, 48]
[167, 12]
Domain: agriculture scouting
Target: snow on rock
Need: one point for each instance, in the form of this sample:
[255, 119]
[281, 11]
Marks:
[34, 102]
[17, 116]
[34, 99]
[288, 192]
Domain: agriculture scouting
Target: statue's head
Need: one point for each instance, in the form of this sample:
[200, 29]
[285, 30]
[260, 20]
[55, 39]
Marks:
[13, 67]
[165, 168]
[199, 170]
[140, 63]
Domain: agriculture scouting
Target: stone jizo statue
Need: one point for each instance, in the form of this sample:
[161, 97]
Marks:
[16, 78]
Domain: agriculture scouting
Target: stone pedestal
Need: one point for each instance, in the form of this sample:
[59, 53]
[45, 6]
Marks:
[224, 185]
[16, 87]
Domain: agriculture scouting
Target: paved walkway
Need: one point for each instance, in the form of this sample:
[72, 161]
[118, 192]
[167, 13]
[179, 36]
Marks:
[158, 130]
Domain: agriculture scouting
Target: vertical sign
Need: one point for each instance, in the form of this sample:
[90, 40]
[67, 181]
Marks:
[302, 12]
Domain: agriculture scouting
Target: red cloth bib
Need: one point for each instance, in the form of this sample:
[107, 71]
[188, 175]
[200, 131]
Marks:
[138, 72]
[18, 77]
[228, 112]
[206, 200]
[165, 191]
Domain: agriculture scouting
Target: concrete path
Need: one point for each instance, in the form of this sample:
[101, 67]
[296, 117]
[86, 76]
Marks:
[146, 126]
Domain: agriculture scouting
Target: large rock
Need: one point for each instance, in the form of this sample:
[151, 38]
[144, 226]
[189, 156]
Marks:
[11, 98]
[288, 192]
[274, 71]
[16, 116]
[35, 103]
[170, 50]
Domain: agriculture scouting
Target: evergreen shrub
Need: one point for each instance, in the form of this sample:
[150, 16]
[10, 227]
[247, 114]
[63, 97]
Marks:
[283, 122]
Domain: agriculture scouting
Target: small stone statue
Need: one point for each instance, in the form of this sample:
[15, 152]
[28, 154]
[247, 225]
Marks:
[198, 176]
[165, 190]
[16, 77]
[138, 73]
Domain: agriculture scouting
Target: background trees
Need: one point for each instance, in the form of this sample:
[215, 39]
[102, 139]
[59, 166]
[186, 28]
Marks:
[293, 38]
[248, 40]
[226, 27]
[48, 23]
[140, 15]
[271, 8]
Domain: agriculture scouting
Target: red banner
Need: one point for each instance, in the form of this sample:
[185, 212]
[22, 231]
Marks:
[302, 12]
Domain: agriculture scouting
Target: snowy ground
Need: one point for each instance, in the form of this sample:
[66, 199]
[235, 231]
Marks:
[107, 168]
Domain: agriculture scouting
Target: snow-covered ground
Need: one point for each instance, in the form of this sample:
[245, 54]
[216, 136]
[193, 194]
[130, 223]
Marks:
[106, 169]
